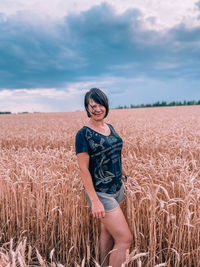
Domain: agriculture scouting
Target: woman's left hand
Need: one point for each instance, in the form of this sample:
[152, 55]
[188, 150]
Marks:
[98, 210]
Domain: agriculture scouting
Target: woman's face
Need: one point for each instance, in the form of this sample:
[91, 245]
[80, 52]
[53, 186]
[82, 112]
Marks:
[97, 111]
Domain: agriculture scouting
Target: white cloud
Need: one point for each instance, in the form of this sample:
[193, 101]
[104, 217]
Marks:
[40, 100]
[157, 14]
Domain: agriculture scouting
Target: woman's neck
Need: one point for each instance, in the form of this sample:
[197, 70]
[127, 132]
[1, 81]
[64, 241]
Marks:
[96, 123]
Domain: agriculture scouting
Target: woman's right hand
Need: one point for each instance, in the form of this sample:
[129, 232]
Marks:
[98, 210]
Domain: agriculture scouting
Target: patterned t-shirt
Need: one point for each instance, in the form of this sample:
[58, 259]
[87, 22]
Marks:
[105, 158]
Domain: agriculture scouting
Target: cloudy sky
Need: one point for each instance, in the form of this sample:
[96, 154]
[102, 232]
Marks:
[137, 51]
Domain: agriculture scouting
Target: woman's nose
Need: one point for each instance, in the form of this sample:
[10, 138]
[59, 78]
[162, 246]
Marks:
[98, 108]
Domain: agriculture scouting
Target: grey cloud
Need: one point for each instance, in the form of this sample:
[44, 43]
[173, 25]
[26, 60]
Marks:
[93, 43]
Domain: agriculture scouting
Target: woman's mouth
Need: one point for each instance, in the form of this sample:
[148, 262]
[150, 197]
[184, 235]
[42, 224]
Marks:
[98, 114]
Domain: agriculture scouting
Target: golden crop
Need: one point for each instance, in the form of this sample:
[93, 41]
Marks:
[44, 218]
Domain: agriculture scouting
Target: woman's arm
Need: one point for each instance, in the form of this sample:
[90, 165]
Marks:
[97, 207]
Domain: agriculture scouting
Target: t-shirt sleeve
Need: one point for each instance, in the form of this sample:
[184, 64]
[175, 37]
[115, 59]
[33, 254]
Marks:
[80, 143]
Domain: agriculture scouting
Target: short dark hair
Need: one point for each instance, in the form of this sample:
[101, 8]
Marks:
[99, 97]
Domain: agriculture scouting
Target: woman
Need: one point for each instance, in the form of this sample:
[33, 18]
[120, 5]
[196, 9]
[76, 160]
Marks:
[98, 149]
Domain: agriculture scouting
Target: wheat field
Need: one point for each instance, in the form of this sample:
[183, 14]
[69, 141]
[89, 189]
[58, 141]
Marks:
[44, 218]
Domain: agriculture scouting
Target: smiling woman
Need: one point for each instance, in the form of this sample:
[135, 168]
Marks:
[98, 149]
[96, 102]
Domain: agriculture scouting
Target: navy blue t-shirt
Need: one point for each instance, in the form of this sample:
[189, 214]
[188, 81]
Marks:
[105, 158]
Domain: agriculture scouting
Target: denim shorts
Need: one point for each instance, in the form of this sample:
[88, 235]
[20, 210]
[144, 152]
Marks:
[109, 201]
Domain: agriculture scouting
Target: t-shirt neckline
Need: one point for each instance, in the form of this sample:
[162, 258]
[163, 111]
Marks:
[99, 132]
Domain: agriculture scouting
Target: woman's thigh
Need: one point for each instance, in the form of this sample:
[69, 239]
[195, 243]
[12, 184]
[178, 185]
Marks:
[117, 226]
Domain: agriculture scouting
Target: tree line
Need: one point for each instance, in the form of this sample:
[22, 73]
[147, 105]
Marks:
[162, 104]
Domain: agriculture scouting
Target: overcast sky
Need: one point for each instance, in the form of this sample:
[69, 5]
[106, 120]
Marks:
[137, 51]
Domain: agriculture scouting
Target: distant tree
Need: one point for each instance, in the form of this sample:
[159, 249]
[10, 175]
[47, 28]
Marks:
[191, 103]
[5, 112]
[173, 103]
[132, 106]
[164, 103]
[156, 104]
[120, 107]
